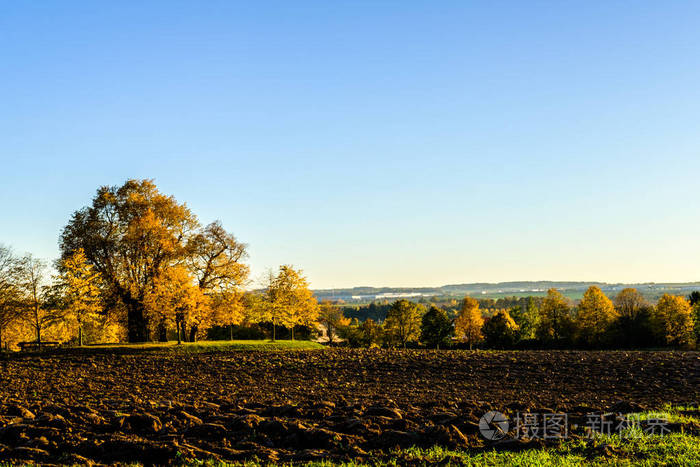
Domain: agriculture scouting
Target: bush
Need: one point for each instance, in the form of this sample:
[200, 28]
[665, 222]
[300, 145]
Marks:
[367, 334]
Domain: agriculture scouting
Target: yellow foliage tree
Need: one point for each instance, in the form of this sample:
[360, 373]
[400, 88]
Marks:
[254, 308]
[555, 316]
[673, 320]
[175, 299]
[227, 309]
[331, 319]
[216, 263]
[469, 322]
[131, 234]
[596, 313]
[290, 300]
[80, 285]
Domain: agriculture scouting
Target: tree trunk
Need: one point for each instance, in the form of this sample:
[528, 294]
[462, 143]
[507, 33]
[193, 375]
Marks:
[137, 325]
[162, 332]
[80, 335]
[292, 332]
[230, 329]
[177, 328]
[273, 330]
[37, 325]
[193, 333]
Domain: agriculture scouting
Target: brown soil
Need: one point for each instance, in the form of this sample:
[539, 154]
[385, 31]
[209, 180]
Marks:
[158, 407]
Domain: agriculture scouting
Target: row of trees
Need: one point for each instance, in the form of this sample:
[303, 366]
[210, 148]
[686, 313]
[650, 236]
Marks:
[627, 321]
[136, 265]
[72, 306]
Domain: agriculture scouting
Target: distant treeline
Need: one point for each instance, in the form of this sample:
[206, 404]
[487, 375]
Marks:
[553, 321]
[136, 265]
[378, 310]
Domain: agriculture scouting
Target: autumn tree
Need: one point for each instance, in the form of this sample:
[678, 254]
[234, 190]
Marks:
[332, 319]
[500, 330]
[555, 317]
[630, 302]
[80, 286]
[215, 258]
[289, 299]
[403, 321]
[469, 322]
[10, 299]
[174, 298]
[227, 309]
[596, 314]
[255, 307]
[130, 234]
[31, 277]
[673, 321]
[527, 318]
[436, 328]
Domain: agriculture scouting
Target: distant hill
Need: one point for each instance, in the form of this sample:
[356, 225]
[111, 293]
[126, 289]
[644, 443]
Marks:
[495, 290]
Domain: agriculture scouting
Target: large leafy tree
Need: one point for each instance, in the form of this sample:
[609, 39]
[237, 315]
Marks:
[79, 282]
[555, 317]
[215, 259]
[527, 318]
[501, 330]
[596, 314]
[673, 321]
[403, 321]
[469, 322]
[436, 328]
[130, 234]
[290, 302]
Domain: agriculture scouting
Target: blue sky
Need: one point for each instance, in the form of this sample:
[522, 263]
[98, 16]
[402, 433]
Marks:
[370, 143]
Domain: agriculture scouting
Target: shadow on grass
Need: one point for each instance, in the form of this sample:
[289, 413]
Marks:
[167, 347]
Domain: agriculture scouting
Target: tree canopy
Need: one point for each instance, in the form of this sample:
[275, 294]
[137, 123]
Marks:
[436, 328]
[596, 314]
[133, 235]
[469, 322]
[403, 321]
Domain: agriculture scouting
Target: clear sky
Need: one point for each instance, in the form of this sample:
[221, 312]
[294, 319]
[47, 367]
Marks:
[386, 143]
